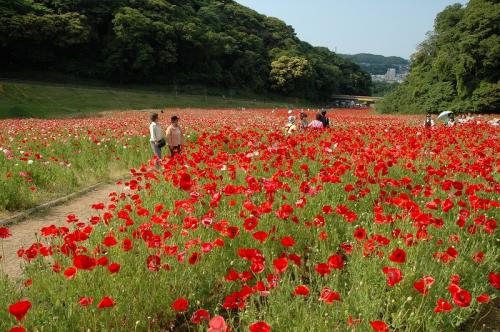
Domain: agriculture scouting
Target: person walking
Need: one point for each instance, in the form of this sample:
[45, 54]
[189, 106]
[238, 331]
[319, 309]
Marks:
[174, 137]
[156, 138]
[316, 123]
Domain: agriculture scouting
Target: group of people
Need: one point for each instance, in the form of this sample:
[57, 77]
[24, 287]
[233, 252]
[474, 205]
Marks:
[320, 121]
[451, 120]
[173, 137]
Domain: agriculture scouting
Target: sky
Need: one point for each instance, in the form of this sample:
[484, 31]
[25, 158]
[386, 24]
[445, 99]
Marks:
[386, 27]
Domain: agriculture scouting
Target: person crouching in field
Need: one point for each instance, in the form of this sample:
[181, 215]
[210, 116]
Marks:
[174, 136]
[157, 138]
[303, 121]
[291, 127]
[316, 123]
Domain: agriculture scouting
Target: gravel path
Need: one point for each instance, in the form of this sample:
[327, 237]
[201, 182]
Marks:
[24, 233]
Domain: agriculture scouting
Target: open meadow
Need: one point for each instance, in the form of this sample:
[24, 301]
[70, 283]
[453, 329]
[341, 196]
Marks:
[374, 224]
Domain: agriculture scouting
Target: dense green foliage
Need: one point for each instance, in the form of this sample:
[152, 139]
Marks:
[210, 42]
[380, 89]
[377, 64]
[458, 67]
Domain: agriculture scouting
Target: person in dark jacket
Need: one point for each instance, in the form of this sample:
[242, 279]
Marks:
[325, 120]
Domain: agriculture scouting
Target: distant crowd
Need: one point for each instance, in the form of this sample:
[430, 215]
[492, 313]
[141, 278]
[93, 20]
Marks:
[320, 121]
[450, 120]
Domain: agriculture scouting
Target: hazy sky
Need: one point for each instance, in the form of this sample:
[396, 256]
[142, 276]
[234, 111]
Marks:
[387, 27]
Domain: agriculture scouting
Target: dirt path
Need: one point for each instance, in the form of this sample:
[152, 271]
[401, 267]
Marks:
[24, 233]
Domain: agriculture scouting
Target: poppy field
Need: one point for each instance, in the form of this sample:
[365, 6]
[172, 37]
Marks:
[376, 224]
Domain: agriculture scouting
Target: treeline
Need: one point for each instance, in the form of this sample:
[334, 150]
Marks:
[377, 64]
[206, 42]
[457, 67]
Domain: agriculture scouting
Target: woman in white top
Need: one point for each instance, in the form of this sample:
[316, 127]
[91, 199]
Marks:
[157, 138]
[174, 136]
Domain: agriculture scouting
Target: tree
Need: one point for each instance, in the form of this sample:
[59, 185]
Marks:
[289, 73]
[204, 42]
[457, 67]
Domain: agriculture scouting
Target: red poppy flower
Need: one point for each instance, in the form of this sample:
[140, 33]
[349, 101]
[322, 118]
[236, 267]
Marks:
[483, 298]
[478, 257]
[126, 244]
[194, 258]
[4, 233]
[280, 265]
[259, 327]
[447, 205]
[495, 279]
[102, 261]
[153, 262]
[217, 324]
[199, 316]
[180, 304]
[17, 329]
[379, 326]
[327, 209]
[250, 224]
[336, 262]
[461, 298]
[424, 284]
[98, 206]
[287, 241]
[106, 302]
[360, 234]
[70, 272]
[84, 262]
[398, 256]
[185, 182]
[260, 236]
[329, 296]
[20, 309]
[109, 241]
[114, 267]
[86, 301]
[323, 269]
[394, 275]
[301, 290]
[443, 306]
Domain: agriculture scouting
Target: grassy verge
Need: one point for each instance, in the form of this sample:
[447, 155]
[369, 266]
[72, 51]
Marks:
[51, 100]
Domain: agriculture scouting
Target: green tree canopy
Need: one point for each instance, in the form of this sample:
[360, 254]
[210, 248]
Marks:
[457, 67]
[207, 42]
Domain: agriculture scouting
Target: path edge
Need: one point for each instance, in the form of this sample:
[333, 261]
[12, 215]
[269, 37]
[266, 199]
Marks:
[26, 214]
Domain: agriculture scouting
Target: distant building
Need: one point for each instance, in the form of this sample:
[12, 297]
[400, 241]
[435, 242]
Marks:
[390, 76]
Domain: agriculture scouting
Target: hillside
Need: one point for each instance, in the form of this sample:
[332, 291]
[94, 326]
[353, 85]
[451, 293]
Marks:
[457, 67]
[216, 43]
[48, 100]
[377, 64]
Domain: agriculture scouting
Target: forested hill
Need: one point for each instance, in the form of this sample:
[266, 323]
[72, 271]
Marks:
[206, 42]
[377, 64]
[458, 67]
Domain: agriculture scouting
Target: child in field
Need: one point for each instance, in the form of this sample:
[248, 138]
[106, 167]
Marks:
[291, 127]
[174, 136]
[303, 121]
